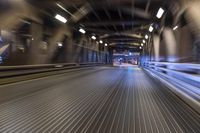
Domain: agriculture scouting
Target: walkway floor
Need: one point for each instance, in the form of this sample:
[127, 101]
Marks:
[98, 100]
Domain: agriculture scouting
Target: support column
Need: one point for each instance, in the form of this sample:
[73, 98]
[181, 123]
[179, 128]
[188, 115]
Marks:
[106, 55]
[89, 50]
[93, 56]
[110, 56]
[58, 36]
[170, 44]
[97, 52]
[193, 17]
[35, 55]
[81, 55]
[85, 52]
[156, 43]
[69, 48]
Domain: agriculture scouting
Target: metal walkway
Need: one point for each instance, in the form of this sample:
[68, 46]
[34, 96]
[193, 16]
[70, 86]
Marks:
[98, 100]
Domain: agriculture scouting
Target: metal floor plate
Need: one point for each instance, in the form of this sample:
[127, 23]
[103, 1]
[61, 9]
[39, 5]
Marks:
[105, 100]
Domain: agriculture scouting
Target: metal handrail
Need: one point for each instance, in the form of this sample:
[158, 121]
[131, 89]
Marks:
[178, 70]
[182, 78]
[177, 66]
[10, 71]
[22, 67]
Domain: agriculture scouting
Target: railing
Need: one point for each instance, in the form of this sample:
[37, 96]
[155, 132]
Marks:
[11, 71]
[182, 78]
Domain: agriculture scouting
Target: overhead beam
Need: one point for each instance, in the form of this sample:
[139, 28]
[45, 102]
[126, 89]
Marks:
[125, 43]
[132, 14]
[136, 11]
[124, 39]
[147, 6]
[97, 15]
[106, 34]
[108, 14]
[121, 34]
[80, 13]
[97, 30]
[110, 23]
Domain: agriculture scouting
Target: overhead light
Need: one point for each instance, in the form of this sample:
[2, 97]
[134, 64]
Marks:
[146, 36]
[106, 44]
[60, 44]
[24, 21]
[61, 18]
[101, 41]
[82, 31]
[93, 37]
[175, 27]
[160, 13]
[151, 28]
[142, 44]
[140, 47]
[61, 7]
[143, 41]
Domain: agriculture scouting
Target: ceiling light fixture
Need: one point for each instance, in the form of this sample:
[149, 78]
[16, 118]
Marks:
[146, 36]
[101, 41]
[82, 31]
[106, 44]
[93, 37]
[160, 13]
[60, 44]
[61, 18]
[175, 27]
[144, 41]
[151, 28]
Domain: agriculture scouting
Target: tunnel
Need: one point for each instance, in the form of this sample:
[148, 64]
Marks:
[99, 66]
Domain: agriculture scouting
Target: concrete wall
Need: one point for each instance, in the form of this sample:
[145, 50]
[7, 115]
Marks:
[34, 49]
[185, 44]
[35, 55]
[174, 46]
[38, 51]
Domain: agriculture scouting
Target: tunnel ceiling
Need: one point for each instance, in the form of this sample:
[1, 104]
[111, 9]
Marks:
[117, 22]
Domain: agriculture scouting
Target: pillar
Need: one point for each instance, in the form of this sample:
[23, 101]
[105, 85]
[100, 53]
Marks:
[170, 44]
[193, 18]
[35, 49]
[85, 51]
[57, 36]
[156, 43]
[69, 48]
